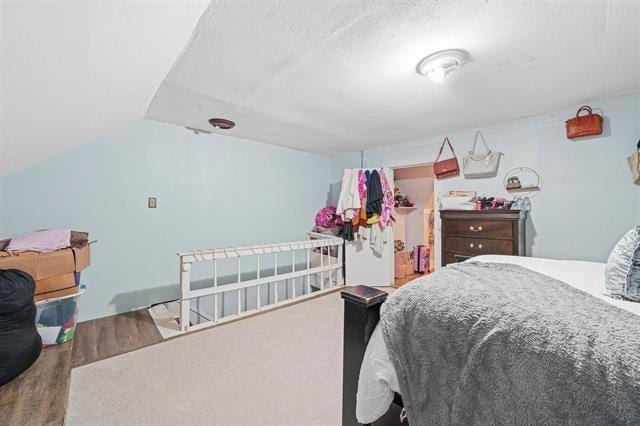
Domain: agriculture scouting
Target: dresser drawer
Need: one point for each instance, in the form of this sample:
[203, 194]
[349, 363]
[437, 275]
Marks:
[480, 228]
[477, 246]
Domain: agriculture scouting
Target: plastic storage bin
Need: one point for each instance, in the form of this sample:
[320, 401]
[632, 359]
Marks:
[56, 318]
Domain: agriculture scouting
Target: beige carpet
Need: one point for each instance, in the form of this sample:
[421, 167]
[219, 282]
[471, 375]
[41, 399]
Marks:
[280, 368]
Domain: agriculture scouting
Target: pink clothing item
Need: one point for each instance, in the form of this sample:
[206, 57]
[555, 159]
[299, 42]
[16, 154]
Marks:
[362, 188]
[41, 241]
[362, 184]
[388, 212]
[327, 217]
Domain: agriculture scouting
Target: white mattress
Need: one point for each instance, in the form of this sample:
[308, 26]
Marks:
[378, 380]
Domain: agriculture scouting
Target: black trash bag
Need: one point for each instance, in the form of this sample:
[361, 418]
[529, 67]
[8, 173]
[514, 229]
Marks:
[20, 343]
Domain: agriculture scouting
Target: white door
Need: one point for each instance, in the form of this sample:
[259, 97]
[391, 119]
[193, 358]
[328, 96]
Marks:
[363, 265]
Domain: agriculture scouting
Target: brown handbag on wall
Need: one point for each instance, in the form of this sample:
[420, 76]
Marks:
[446, 168]
[585, 125]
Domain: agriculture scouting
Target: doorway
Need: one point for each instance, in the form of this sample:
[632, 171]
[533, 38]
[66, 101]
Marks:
[413, 230]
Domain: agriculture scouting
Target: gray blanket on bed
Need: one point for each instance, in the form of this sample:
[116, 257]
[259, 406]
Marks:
[482, 343]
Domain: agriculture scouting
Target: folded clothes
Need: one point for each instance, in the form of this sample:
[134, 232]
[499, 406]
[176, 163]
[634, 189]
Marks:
[79, 239]
[57, 313]
[41, 241]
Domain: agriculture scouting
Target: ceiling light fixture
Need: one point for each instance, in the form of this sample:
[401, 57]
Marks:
[440, 64]
[222, 123]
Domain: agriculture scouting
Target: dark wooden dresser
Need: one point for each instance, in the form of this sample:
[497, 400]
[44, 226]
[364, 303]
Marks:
[468, 233]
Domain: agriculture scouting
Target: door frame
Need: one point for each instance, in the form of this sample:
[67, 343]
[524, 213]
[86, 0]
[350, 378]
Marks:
[403, 164]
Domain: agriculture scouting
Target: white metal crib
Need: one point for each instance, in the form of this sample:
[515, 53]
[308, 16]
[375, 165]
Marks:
[324, 272]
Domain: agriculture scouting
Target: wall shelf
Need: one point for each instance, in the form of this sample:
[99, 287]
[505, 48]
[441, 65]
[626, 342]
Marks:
[524, 189]
[530, 180]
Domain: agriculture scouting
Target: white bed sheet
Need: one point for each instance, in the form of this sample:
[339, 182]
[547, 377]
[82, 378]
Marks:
[378, 380]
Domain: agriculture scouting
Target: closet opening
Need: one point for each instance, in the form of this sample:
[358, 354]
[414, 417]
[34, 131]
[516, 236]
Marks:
[413, 230]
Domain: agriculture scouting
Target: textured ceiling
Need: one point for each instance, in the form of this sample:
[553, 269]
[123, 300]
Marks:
[335, 76]
[74, 70]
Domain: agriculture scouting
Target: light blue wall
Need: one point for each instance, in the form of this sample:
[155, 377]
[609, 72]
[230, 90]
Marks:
[350, 160]
[212, 190]
[588, 199]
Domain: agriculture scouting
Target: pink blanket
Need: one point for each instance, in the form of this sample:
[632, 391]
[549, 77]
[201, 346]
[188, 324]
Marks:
[41, 241]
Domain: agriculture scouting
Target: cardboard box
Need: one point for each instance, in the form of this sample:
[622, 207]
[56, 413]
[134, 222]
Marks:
[47, 265]
[54, 294]
[58, 282]
[82, 257]
[410, 268]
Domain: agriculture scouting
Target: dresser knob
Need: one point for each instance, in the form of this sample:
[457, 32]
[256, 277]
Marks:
[472, 229]
[480, 246]
[471, 245]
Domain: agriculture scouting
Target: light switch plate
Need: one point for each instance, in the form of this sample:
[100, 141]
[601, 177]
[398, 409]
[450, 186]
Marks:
[152, 203]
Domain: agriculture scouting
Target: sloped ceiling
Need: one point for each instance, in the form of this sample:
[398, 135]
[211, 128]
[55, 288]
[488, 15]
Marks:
[73, 70]
[335, 76]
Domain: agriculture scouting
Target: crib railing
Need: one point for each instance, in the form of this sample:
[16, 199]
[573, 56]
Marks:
[322, 272]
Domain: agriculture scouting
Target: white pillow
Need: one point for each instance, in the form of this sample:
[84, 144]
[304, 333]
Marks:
[622, 274]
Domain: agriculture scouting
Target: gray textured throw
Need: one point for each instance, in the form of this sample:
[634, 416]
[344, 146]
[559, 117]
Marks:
[486, 343]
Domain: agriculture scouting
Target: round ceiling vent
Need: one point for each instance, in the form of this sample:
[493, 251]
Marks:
[222, 123]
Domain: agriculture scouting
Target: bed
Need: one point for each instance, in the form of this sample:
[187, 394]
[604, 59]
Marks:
[377, 385]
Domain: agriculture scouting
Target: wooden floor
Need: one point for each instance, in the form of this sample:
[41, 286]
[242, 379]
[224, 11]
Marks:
[110, 336]
[39, 395]
[399, 282]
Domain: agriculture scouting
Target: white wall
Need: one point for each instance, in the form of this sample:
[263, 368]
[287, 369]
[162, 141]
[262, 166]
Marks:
[588, 199]
[212, 191]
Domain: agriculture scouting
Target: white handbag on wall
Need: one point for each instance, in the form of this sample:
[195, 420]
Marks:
[481, 165]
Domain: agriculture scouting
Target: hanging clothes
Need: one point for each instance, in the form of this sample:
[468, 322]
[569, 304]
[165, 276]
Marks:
[377, 239]
[388, 213]
[366, 205]
[349, 200]
[362, 193]
[380, 214]
[362, 184]
[374, 193]
[347, 230]
[373, 219]
[349, 203]
[367, 176]
[362, 187]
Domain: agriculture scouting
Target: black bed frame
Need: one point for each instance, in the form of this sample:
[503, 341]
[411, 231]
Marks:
[361, 314]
